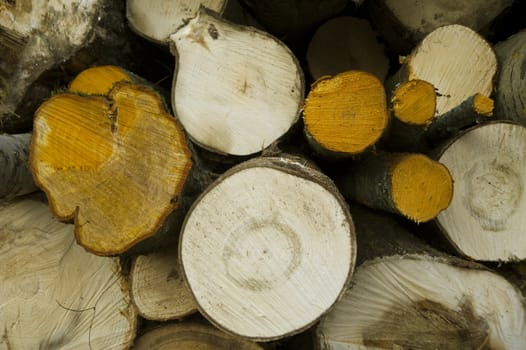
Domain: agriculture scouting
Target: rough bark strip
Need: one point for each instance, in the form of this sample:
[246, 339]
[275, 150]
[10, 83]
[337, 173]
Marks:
[54, 294]
[485, 219]
[510, 97]
[411, 185]
[15, 175]
[252, 84]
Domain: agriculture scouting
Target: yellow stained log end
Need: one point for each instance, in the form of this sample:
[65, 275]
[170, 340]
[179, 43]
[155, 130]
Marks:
[346, 113]
[98, 80]
[414, 102]
[77, 132]
[483, 105]
[420, 187]
[116, 165]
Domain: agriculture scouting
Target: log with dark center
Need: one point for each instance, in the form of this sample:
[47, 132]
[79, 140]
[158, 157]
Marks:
[486, 218]
[346, 114]
[406, 295]
[408, 184]
[115, 163]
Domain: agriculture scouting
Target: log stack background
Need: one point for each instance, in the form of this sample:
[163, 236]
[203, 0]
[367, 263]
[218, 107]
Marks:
[212, 179]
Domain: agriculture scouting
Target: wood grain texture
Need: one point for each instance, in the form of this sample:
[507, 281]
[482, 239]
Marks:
[236, 89]
[15, 175]
[268, 248]
[115, 164]
[485, 220]
[54, 294]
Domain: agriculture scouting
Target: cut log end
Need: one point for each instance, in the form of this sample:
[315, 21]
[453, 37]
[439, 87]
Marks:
[421, 188]
[110, 162]
[158, 288]
[457, 61]
[414, 102]
[257, 238]
[463, 328]
[346, 113]
[98, 80]
[236, 89]
[55, 295]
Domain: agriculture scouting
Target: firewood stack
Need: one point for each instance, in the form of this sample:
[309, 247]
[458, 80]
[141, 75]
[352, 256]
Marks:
[263, 174]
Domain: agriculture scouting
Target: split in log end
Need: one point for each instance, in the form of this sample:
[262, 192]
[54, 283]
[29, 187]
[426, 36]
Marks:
[421, 188]
[414, 102]
[346, 113]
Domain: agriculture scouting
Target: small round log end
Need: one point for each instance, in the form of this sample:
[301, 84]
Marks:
[346, 113]
[421, 187]
[414, 102]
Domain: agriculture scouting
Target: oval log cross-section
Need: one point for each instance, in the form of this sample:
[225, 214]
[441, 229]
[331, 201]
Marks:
[486, 220]
[268, 248]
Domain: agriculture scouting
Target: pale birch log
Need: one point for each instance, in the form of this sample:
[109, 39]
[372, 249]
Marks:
[158, 288]
[268, 248]
[510, 95]
[406, 295]
[37, 35]
[403, 23]
[158, 19]
[456, 61]
[15, 175]
[54, 294]
[486, 220]
[236, 90]
[191, 336]
[346, 43]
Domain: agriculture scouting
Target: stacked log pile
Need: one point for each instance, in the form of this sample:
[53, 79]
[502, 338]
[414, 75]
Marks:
[262, 174]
